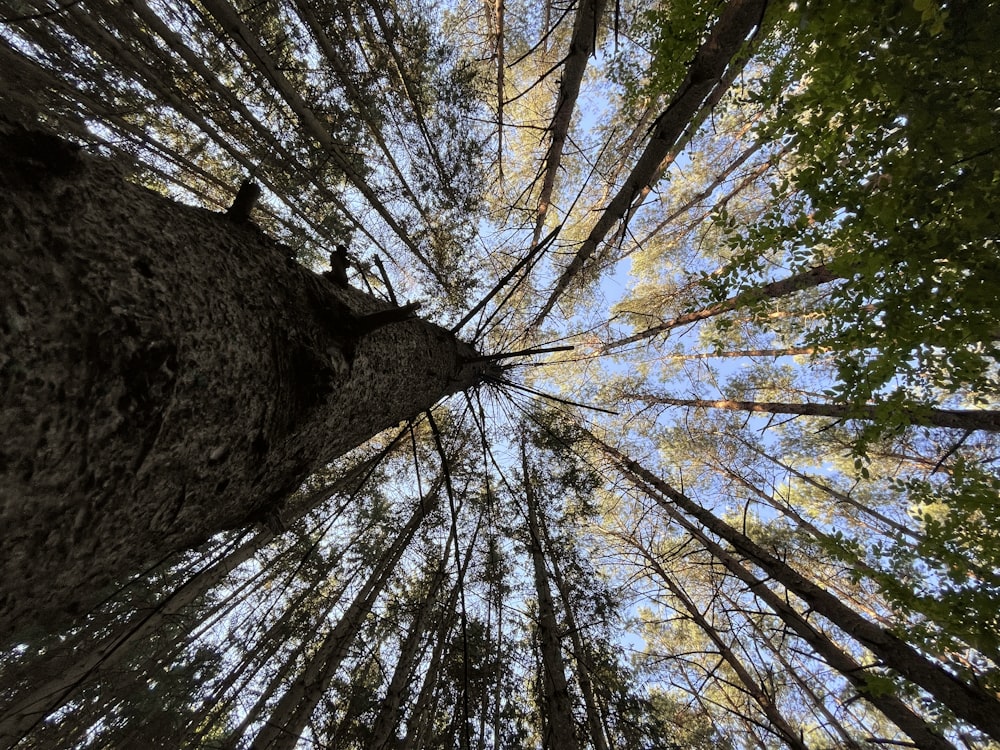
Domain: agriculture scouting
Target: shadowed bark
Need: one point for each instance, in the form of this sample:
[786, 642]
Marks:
[166, 373]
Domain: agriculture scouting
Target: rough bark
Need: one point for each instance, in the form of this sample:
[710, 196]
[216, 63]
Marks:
[166, 373]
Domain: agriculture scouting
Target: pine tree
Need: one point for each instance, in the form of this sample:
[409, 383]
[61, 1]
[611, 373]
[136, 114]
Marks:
[504, 374]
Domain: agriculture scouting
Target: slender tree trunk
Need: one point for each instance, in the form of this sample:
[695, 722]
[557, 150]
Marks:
[290, 716]
[498, 689]
[228, 17]
[215, 708]
[383, 732]
[559, 730]
[778, 723]
[705, 74]
[421, 717]
[166, 373]
[970, 703]
[499, 41]
[890, 705]
[585, 28]
[959, 419]
[412, 94]
[807, 279]
[306, 612]
[855, 674]
[707, 191]
[594, 713]
[317, 606]
[791, 351]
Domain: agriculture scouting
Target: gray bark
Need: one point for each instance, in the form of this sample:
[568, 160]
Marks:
[559, 731]
[166, 373]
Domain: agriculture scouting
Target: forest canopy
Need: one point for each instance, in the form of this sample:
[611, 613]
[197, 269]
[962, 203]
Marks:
[731, 479]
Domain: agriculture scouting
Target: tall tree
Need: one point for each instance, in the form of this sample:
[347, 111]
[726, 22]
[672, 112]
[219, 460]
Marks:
[145, 324]
[560, 730]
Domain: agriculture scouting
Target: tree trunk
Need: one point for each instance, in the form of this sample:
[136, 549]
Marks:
[791, 351]
[705, 74]
[290, 716]
[560, 726]
[166, 373]
[855, 674]
[422, 714]
[959, 419]
[594, 714]
[383, 735]
[887, 702]
[803, 679]
[814, 277]
[581, 47]
[969, 702]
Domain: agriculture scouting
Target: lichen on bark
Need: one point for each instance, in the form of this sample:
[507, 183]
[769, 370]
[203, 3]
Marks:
[165, 374]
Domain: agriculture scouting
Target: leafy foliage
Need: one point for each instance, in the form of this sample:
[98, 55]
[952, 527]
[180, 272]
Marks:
[887, 109]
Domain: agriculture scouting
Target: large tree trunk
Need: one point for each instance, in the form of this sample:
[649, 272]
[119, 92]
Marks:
[167, 372]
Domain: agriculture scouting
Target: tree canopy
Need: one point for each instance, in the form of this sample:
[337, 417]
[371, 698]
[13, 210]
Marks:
[730, 479]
